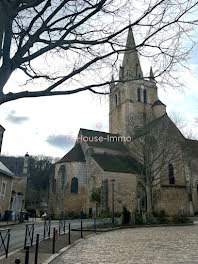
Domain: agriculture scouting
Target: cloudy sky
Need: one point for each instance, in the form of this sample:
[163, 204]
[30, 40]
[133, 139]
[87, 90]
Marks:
[40, 126]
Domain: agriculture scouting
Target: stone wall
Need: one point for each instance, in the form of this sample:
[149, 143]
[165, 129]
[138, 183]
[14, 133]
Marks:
[6, 196]
[171, 199]
[125, 187]
[65, 201]
[18, 194]
[128, 105]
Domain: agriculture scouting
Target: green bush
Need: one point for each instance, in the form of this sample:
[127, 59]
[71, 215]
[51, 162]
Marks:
[162, 218]
[150, 219]
[126, 215]
[180, 219]
[105, 214]
[138, 218]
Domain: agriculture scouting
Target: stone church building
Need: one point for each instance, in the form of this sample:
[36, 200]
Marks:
[110, 164]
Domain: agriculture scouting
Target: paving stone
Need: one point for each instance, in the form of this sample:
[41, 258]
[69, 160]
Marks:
[155, 245]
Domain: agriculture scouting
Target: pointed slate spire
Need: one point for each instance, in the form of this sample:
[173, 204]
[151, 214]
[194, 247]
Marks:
[112, 84]
[151, 77]
[131, 67]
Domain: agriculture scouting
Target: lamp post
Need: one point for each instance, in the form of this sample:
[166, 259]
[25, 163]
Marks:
[113, 181]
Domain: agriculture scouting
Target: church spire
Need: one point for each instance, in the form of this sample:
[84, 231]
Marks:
[151, 77]
[131, 67]
[112, 84]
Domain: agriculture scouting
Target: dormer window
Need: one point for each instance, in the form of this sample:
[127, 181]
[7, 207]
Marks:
[145, 96]
[139, 95]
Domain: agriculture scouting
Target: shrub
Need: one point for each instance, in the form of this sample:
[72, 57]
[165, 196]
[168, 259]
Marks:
[179, 219]
[105, 214]
[138, 218]
[126, 215]
[150, 219]
[162, 218]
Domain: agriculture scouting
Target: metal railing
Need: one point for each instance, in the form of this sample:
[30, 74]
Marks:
[61, 225]
[5, 240]
[29, 234]
[47, 228]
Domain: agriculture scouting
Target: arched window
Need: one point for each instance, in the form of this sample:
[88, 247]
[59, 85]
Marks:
[74, 185]
[139, 95]
[61, 176]
[116, 99]
[145, 96]
[171, 174]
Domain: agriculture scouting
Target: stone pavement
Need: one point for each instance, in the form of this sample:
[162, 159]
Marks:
[154, 245]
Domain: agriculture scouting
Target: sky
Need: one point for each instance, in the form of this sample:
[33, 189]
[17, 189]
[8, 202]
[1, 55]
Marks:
[41, 126]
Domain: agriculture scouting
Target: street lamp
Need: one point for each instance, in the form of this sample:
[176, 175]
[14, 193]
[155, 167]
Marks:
[113, 181]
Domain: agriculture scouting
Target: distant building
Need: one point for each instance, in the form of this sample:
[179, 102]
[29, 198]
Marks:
[6, 182]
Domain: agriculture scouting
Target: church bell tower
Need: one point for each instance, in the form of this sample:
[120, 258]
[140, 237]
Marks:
[134, 97]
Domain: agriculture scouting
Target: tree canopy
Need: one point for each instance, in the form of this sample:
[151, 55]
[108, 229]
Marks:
[65, 46]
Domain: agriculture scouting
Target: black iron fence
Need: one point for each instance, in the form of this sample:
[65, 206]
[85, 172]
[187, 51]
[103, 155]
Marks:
[67, 237]
[29, 234]
[62, 225]
[47, 229]
[5, 240]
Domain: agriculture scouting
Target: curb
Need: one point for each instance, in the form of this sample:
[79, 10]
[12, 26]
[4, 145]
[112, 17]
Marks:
[100, 231]
[63, 250]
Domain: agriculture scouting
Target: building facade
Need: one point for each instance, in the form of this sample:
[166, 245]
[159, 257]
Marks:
[115, 167]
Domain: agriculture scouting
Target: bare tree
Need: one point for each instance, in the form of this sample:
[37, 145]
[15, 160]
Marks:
[157, 146]
[86, 37]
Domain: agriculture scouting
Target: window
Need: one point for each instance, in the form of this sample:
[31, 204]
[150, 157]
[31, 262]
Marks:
[74, 185]
[171, 174]
[139, 95]
[145, 96]
[116, 100]
[3, 189]
[119, 97]
[61, 176]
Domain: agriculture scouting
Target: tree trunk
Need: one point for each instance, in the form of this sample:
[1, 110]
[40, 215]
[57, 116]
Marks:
[148, 199]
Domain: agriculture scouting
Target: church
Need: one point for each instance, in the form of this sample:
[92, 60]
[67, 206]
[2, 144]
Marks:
[143, 158]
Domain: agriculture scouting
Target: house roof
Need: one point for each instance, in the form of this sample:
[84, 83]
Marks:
[108, 140]
[191, 147]
[117, 163]
[148, 127]
[158, 102]
[4, 170]
[75, 154]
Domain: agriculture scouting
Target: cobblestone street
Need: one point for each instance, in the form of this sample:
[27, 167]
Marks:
[155, 245]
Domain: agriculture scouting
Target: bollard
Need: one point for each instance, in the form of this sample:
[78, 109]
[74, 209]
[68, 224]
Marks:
[36, 249]
[94, 224]
[27, 253]
[17, 261]
[53, 242]
[69, 235]
[81, 229]
[64, 227]
[59, 228]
